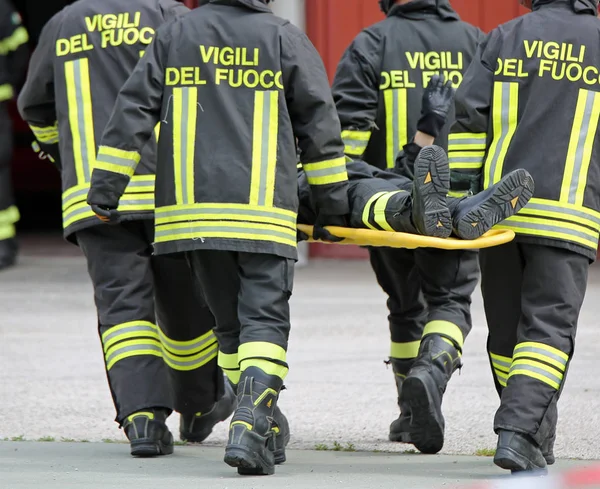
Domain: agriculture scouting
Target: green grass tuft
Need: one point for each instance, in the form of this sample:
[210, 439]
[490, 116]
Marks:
[18, 438]
[46, 438]
[486, 452]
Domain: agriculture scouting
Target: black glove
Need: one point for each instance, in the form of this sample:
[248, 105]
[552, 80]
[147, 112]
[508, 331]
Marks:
[106, 214]
[319, 231]
[437, 102]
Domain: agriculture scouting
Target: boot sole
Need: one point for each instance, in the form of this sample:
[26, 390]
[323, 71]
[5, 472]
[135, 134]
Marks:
[247, 462]
[431, 185]
[148, 448]
[498, 207]
[509, 459]
[400, 437]
[427, 429]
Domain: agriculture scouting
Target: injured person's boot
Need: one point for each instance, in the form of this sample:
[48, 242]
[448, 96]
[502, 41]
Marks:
[431, 183]
[197, 427]
[474, 216]
[148, 433]
[253, 429]
[423, 389]
[518, 453]
[399, 429]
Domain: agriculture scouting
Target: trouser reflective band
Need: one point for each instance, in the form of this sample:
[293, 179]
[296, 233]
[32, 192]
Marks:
[405, 351]
[191, 354]
[8, 218]
[539, 361]
[134, 338]
[447, 330]
[270, 358]
[230, 366]
[501, 366]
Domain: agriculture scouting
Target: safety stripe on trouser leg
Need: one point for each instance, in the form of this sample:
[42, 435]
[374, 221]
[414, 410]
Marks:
[501, 366]
[126, 340]
[190, 354]
[230, 366]
[445, 329]
[7, 231]
[270, 358]
[541, 362]
[10, 215]
[405, 351]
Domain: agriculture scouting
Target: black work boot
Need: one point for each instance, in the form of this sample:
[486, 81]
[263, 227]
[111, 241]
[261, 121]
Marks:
[399, 429]
[423, 389]
[518, 453]
[431, 184]
[148, 433]
[8, 253]
[252, 432]
[197, 427]
[474, 216]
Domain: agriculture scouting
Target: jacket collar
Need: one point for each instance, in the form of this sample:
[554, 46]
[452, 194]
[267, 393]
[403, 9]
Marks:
[578, 6]
[257, 5]
[419, 9]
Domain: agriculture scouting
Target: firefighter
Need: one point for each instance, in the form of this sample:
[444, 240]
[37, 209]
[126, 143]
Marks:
[13, 63]
[531, 99]
[386, 200]
[155, 329]
[233, 100]
[378, 90]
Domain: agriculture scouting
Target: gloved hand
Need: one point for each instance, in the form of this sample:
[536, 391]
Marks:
[437, 102]
[301, 236]
[319, 231]
[106, 214]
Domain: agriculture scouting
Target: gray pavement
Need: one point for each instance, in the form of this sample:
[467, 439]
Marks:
[53, 385]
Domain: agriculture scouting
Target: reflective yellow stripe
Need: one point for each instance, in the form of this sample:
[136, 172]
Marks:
[396, 123]
[6, 92]
[267, 367]
[10, 215]
[466, 140]
[261, 349]
[465, 160]
[550, 228]
[128, 203]
[326, 172]
[131, 348]
[355, 142]
[190, 362]
[226, 230]
[581, 146]
[405, 350]
[505, 118]
[117, 160]
[264, 147]
[19, 37]
[7, 231]
[81, 119]
[501, 363]
[367, 210]
[47, 135]
[538, 371]
[501, 376]
[185, 114]
[128, 330]
[233, 376]
[563, 211]
[157, 131]
[552, 354]
[379, 210]
[228, 361]
[445, 328]
[187, 347]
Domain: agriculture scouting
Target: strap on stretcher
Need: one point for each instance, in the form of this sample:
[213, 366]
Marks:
[368, 237]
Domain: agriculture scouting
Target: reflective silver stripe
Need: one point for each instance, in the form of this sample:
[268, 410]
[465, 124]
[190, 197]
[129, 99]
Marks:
[126, 349]
[355, 147]
[580, 151]
[214, 228]
[542, 352]
[191, 364]
[76, 212]
[128, 330]
[325, 172]
[139, 182]
[195, 347]
[266, 137]
[501, 363]
[574, 213]
[465, 159]
[493, 160]
[467, 141]
[540, 371]
[85, 151]
[196, 214]
[129, 201]
[546, 227]
[116, 160]
[185, 103]
[75, 197]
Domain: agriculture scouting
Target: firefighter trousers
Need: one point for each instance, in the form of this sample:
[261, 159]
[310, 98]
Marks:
[429, 292]
[532, 297]
[156, 330]
[248, 293]
[9, 214]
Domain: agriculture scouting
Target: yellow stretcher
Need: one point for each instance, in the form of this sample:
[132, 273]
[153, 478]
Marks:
[368, 237]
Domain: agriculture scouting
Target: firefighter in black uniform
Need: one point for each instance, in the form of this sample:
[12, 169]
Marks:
[13, 63]
[378, 89]
[233, 100]
[531, 99]
[158, 344]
